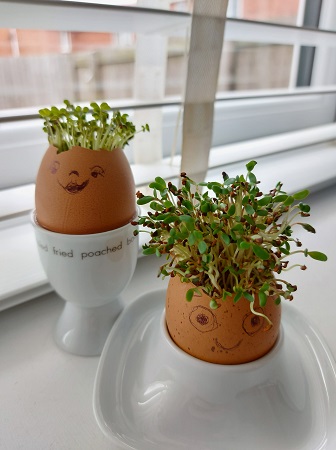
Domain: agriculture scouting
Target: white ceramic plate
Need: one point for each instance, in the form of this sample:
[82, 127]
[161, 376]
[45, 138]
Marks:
[149, 395]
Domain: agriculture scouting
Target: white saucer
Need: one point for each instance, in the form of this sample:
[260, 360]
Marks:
[149, 395]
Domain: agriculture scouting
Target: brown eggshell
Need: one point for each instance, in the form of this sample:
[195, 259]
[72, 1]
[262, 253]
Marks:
[83, 191]
[230, 334]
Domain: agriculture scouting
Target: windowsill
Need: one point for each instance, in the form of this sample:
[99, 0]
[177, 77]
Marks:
[22, 277]
[37, 377]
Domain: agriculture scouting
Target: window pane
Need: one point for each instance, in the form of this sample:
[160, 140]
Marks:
[278, 11]
[44, 67]
[246, 66]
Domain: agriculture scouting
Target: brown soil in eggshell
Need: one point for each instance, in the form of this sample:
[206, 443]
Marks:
[231, 334]
[83, 191]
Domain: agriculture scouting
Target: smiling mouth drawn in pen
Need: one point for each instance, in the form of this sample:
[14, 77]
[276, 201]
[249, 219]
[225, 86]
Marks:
[74, 188]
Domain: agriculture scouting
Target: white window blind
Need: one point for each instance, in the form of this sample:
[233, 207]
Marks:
[239, 114]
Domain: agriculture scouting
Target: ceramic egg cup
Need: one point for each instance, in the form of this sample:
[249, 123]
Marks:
[89, 272]
[157, 397]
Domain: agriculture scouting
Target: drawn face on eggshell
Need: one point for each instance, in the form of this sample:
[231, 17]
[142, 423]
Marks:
[204, 320]
[73, 181]
[83, 191]
[230, 334]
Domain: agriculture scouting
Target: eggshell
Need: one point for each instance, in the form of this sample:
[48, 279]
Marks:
[230, 334]
[83, 191]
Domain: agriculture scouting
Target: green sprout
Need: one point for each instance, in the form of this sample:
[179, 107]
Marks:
[228, 240]
[96, 128]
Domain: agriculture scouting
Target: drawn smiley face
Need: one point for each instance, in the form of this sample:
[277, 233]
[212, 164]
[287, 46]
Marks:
[230, 334]
[74, 182]
[204, 320]
[84, 191]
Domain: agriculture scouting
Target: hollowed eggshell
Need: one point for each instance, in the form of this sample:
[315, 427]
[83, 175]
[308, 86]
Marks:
[83, 191]
[230, 334]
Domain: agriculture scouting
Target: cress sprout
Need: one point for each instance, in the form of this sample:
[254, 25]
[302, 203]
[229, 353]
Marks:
[231, 240]
[96, 128]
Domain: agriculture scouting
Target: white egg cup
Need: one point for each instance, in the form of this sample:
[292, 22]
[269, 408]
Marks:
[89, 272]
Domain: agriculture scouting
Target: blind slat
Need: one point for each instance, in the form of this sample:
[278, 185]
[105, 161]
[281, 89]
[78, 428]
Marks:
[74, 16]
[14, 115]
[264, 32]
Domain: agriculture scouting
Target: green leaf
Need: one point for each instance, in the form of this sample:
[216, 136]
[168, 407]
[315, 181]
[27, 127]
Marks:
[262, 212]
[202, 247]
[249, 219]
[251, 165]
[94, 106]
[260, 252]
[189, 221]
[245, 200]
[238, 296]
[225, 295]
[229, 181]
[190, 294]
[244, 245]
[213, 304]
[191, 239]
[307, 227]
[145, 199]
[265, 200]
[289, 200]
[233, 235]
[198, 235]
[156, 206]
[186, 218]
[149, 251]
[301, 195]
[168, 204]
[319, 256]
[187, 204]
[239, 227]
[217, 189]
[264, 287]
[163, 216]
[252, 178]
[262, 299]
[169, 219]
[277, 301]
[161, 181]
[206, 258]
[304, 208]
[104, 106]
[205, 207]
[232, 210]
[225, 238]
[155, 185]
[249, 210]
[280, 198]
[249, 297]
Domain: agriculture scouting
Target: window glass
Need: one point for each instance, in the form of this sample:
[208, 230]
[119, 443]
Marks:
[40, 67]
[250, 65]
[277, 11]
